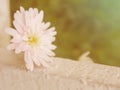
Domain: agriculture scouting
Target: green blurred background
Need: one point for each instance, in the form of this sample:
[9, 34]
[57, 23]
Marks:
[82, 25]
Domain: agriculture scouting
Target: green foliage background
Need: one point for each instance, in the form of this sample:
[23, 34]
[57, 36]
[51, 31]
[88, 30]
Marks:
[82, 25]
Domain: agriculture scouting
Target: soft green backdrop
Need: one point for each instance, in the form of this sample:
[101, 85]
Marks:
[82, 25]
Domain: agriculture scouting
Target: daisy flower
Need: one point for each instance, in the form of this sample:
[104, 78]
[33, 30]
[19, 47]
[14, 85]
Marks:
[33, 37]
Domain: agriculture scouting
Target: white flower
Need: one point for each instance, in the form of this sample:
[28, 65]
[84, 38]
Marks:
[32, 36]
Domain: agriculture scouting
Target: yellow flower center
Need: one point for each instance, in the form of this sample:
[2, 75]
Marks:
[32, 39]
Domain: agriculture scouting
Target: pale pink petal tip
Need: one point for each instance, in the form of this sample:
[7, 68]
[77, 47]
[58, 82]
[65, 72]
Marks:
[22, 9]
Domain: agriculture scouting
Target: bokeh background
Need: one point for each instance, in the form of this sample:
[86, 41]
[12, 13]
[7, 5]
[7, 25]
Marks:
[82, 25]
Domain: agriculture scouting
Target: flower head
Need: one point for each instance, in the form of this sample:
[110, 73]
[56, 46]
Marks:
[33, 37]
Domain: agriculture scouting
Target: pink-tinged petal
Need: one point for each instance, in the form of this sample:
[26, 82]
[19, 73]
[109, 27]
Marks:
[51, 47]
[36, 24]
[47, 51]
[51, 29]
[11, 31]
[38, 28]
[28, 61]
[50, 53]
[34, 54]
[40, 16]
[45, 57]
[27, 21]
[18, 27]
[18, 12]
[22, 9]
[30, 10]
[40, 58]
[25, 47]
[19, 21]
[18, 16]
[35, 59]
[21, 47]
[17, 51]
[42, 61]
[45, 26]
[50, 32]
[16, 39]
[35, 11]
[47, 40]
[11, 46]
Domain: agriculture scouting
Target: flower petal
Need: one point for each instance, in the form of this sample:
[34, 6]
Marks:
[22, 9]
[34, 57]
[42, 61]
[28, 61]
[11, 31]
[45, 26]
[21, 47]
[18, 27]
[11, 46]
